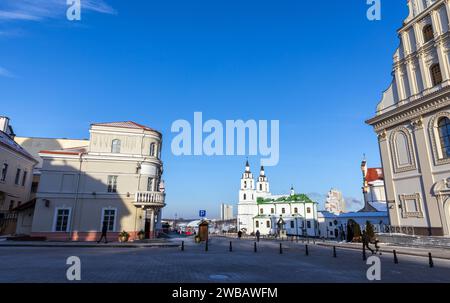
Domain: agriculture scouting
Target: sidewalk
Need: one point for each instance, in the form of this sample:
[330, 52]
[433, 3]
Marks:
[155, 243]
[438, 253]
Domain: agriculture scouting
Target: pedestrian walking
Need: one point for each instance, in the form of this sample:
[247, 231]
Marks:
[366, 241]
[104, 233]
[258, 234]
[239, 234]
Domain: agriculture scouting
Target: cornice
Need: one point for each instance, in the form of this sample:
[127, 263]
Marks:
[411, 110]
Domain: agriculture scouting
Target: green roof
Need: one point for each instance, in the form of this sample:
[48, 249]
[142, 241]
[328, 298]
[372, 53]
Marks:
[297, 198]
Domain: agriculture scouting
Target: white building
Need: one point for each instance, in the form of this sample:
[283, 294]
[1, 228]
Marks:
[412, 122]
[259, 210]
[335, 202]
[226, 212]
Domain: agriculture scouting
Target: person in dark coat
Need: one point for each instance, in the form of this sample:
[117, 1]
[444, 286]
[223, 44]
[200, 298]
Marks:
[366, 241]
[258, 234]
[104, 233]
[240, 235]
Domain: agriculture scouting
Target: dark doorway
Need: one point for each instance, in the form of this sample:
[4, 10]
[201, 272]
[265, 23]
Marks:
[147, 228]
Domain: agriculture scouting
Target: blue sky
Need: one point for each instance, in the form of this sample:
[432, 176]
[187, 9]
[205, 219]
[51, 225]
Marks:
[319, 67]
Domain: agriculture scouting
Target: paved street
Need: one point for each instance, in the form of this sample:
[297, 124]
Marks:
[170, 264]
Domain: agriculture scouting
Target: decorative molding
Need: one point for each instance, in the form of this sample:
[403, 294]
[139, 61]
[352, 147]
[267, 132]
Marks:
[411, 214]
[420, 107]
[433, 131]
[395, 156]
[417, 123]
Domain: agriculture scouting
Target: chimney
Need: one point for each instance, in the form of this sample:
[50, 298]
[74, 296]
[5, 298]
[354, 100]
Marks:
[4, 123]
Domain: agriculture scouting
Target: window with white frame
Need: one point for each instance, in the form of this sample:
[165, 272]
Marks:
[115, 146]
[151, 184]
[62, 219]
[4, 172]
[24, 177]
[17, 176]
[112, 184]
[109, 218]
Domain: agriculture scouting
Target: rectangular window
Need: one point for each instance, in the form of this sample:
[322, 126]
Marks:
[109, 217]
[4, 172]
[112, 184]
[272, 210]
[261, 211]
[62, 219]
[24, 177]
[11, 204]
[283, 210]
[308, 224]
[17, 176]
[151, 184]
[268, 224]
[308, 210]
[257, 224]
[292, 224]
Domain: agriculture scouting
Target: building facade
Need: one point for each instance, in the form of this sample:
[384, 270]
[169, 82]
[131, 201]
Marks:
[115, 180]
[259, 210]
[335, 202]
[226, 212]
[16, 171]
[413, 122]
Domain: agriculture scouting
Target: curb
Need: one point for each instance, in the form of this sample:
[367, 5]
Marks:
[384, 250]
[90, 246]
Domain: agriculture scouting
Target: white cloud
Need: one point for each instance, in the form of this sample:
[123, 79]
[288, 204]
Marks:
[38, 10]
[5, 73]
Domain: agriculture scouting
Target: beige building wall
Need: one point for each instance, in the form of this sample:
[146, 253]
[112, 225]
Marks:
[79, 180]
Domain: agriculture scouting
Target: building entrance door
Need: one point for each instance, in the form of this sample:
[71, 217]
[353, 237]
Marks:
[147, 228]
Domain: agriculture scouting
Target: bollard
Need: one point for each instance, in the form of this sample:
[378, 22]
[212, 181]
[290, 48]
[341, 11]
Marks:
[182, 245]
[206, 245]
[231, 246]
[364, 253]
[334, 252]
[255, 249]
[430, 258]
[395, 257]
[281, 248]
[306, 250]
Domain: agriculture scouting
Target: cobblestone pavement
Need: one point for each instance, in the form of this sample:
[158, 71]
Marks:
[194, 264]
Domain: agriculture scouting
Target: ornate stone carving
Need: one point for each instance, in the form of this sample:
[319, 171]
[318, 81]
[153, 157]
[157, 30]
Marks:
[434, 137]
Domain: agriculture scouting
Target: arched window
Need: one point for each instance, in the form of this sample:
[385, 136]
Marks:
[308, 210]
[153, 149]
[428, 33]
[296, 210]
[260, 186]
[115, 146]
[444, 136]
[245, 196]
[436, 74]
[261, 211]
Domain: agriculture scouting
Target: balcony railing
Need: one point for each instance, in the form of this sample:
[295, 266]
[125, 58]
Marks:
[150, 198]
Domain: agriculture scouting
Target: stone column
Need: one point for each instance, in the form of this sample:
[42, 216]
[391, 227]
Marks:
[441, 51]
[399, 81]
[424, 162]
[391, 197]
[152, 223]
[424, 70]
[412, 77]
[447, 8]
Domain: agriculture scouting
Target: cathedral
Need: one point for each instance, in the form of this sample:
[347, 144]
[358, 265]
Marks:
[259, 210]
[412, 122]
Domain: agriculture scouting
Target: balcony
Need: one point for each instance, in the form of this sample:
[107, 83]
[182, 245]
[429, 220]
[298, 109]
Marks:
[150, 198]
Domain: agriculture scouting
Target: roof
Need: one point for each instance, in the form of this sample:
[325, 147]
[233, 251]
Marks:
[25, 206]
[68, 151]
[374, 174]
[125, 124]
[326, 214]
[6, 140]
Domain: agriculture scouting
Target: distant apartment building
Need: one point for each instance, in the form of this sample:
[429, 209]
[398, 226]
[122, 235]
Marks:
[335, 202]
[114, 180]
[16, 170]
[226, 212]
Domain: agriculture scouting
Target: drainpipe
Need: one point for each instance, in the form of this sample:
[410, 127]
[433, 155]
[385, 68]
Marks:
[72, 216]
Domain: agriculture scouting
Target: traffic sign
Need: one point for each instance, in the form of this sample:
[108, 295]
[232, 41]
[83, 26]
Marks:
[202, 213]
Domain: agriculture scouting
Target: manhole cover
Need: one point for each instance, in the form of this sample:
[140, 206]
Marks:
[218, 277]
